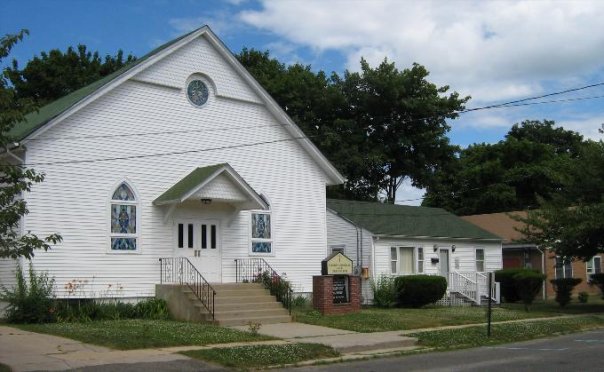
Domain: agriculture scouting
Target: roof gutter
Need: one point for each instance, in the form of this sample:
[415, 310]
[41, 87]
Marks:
[436, 237]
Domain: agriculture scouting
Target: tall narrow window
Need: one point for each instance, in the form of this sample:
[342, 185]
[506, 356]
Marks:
[420, 260]
[480, 260]
[563, 268]
[393, 260]
[594, 266]
[123, 219]
[261, 233]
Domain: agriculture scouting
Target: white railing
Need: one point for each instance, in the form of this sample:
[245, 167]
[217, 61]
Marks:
[473, 286]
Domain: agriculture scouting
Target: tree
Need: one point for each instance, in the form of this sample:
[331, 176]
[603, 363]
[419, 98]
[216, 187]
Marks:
[532, 162]
[15, 179]
[403, 117]
[378, 126]
[55, 74]
[572, 223]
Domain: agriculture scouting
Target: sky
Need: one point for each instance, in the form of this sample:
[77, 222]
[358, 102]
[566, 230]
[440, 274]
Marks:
[493, 51]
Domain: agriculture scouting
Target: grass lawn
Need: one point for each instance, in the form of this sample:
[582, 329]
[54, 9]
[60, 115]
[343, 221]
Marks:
[257, 356]
[376, 320]
[504, 333]
[139, 334]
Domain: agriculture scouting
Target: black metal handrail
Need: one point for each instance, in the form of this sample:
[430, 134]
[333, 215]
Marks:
[257, 270]
[180, 270]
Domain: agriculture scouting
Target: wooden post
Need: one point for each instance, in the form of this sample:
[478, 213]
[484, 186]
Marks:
[490, 305]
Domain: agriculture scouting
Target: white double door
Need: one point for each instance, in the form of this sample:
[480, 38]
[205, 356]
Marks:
[199, 241]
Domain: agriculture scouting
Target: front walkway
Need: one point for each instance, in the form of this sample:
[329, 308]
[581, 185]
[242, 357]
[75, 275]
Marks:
[345, 342]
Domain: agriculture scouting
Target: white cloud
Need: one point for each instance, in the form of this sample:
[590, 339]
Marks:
[588, 127]
[492, 50]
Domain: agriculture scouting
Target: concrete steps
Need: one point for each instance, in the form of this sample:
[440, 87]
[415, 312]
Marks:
[241, 304]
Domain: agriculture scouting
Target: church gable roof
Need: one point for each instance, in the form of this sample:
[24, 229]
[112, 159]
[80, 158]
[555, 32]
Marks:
[37, 122]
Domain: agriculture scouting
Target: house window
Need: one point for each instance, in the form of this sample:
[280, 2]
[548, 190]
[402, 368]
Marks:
[563, 268]
[420, 260]
[402, 260]
[261, 233]
[594, 266]
[480, 260]
[124, 229]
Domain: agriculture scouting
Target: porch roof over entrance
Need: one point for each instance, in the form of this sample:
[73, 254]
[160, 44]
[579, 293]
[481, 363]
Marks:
[219, 183]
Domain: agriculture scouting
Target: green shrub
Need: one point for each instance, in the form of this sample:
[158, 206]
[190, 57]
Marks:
[508, 284]
[528, 283]
[598, 279]
[384, 292]
[300, 302]
[152, 308]
[86, 310]
[419, 290]
[32, 302]
[564, 288]
[583, 297]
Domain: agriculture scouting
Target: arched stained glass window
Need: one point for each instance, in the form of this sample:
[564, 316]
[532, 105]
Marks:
[123, 219]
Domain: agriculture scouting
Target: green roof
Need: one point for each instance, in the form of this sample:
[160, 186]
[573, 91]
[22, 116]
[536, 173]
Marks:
[37, 119]
[184, 186]
[404, 220]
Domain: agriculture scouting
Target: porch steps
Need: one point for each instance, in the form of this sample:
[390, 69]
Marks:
[242, 303]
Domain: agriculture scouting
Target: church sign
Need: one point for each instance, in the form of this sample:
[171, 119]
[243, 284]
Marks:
[336, 264]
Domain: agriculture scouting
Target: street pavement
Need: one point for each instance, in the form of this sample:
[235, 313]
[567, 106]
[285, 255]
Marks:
[575, 352]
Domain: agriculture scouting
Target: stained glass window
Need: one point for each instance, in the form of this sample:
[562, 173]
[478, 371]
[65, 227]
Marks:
[123, 219]
[261, 233]
[123, 192]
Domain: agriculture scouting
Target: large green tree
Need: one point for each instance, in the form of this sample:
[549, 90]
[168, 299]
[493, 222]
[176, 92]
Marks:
[15, 179]
[55, 73]
[378, 126]
[572, 223]
[532, 162]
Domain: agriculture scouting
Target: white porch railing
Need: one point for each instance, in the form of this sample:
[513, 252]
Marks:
[473, 286]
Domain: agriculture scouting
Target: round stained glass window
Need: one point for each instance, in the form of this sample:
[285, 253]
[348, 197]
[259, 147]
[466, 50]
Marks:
[198, 93]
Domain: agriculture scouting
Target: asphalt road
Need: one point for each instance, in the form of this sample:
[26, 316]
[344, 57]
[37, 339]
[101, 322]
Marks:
[575, 352]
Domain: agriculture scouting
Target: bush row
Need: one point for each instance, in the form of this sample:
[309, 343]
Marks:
[33, 301]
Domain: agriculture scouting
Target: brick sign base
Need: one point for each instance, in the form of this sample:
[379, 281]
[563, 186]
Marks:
[322, 296]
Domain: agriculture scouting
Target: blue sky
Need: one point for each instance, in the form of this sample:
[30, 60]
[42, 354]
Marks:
[495, 51]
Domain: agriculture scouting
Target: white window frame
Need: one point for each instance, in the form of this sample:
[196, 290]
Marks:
[261, 240]
[135, 203]
[565, 262]
[419, 250]
[398, 257]
[483, 261]
[590, 266]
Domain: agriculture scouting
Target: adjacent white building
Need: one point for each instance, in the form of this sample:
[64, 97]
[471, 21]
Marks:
[393, 240]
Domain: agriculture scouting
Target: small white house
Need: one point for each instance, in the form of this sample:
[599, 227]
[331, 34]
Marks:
[181, 154]
[393, 240]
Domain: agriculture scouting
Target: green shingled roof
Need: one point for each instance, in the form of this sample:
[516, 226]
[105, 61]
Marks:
[403, 220]
[36, 120]
[184, 186]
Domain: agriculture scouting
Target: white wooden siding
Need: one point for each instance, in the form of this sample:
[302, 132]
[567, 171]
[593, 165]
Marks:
[7, 272]
[464, 254]
[199, 56]
[74, 198]
[342, 232]
[221, 187]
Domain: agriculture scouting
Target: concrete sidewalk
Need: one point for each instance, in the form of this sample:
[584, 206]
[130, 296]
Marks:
[345, 342]
[28, 351]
